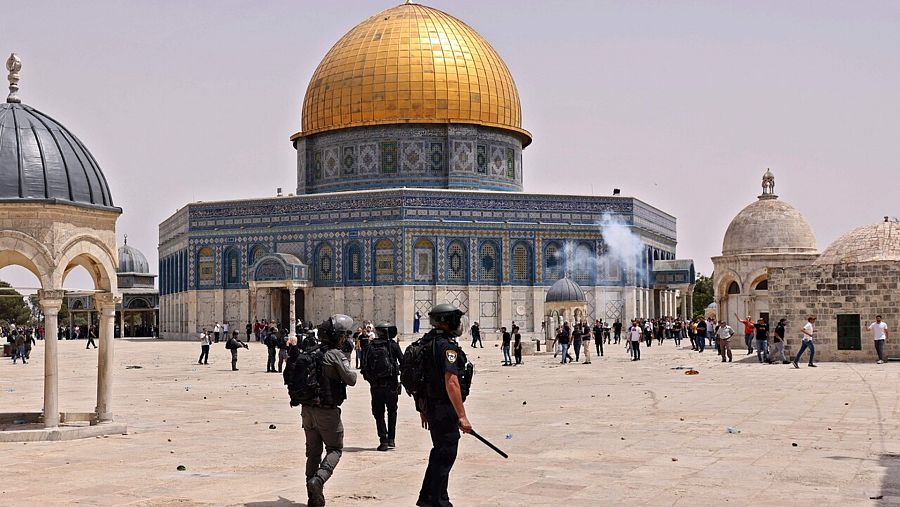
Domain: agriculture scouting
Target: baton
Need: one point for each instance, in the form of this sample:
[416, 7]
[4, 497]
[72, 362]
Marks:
[485, 442]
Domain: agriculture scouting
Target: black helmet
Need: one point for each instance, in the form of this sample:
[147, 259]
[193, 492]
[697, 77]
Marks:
[446, 313]
[386, 330]
[336, 326]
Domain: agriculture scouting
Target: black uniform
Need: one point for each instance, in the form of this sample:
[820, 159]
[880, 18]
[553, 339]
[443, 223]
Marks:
[271, 341]
[384, 390]
[443, 423]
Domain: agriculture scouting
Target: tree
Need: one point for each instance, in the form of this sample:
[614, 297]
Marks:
[703, 294]
[13, 308]
[37, 313]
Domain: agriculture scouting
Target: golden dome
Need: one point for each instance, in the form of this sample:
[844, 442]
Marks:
[411, 64]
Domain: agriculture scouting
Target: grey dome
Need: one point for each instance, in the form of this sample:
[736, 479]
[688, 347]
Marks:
[565, 290]
[40, 160]
[131, 260]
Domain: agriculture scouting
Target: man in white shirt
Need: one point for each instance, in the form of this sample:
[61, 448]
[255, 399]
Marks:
[879, 334]
[204, 348]
[217, 329]
[634, 337]
[809, 333]
[724, 335]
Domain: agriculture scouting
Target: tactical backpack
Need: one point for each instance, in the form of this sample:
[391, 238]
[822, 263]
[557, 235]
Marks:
[379, 363]
[302, 375]
[412, 368]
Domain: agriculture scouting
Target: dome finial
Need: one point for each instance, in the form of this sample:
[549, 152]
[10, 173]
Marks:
[126, 239]
[768, 186]
[13, 65]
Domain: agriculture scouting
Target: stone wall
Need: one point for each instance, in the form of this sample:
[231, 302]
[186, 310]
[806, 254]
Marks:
[826, 291]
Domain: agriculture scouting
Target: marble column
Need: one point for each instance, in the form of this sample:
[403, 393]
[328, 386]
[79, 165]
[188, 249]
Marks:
[292, 326]
[106, 304]
[121, 323]
[51, 302]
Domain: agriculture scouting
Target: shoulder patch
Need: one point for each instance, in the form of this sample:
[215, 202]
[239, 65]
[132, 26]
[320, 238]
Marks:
[451, 355]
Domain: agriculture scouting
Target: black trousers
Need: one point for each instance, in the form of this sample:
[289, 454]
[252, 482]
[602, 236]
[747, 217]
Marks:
[233, 359]
[270, 362]
[517, 353]
[599, 343]
[636, 351]
[204, 354]
[443, 424]
[90, 342]
[384, 397]
[477, 339]
[216, 336]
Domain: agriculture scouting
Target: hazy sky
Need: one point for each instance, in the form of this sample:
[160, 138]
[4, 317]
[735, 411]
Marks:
[681, 104]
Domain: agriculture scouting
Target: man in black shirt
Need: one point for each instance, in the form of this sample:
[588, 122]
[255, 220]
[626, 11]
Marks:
[617, 330]
[476, 335]
[778, 342]
[517, 345]
[598, 337]
[762, 340]
[700, 339]
[507, 359]
[380, 368]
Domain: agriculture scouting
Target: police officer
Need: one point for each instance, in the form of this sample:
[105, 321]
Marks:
[322, 421]
[380, 367]
[443, 413]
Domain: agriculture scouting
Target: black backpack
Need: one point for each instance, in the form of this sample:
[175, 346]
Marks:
[379, 363]
[302, 375]
[413, 368]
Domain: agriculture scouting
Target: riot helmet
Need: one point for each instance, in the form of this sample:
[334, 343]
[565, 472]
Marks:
[447, 317]
[386, 330]
[332, 330]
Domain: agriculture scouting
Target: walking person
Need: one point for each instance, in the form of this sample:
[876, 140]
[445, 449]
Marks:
[634, 337]
[517, 345]
[562, 337]
[586, 338]
[281, 344]
[724, 334]
[599, 331]
[249, 330]
[808, 336]
[271, 342]
[380, 369]
[762, 340]
[577, 338]
[91, 334]
[416, 322]
[29, 341]
[217, 330]
[204, 347]
[476, 335]
[507, 338]
[778, 342]
[20, 348]
[879, 335]
[321, 422]
[617, 330]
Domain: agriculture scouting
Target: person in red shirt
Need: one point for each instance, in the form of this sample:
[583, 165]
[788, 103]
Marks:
[748, 332]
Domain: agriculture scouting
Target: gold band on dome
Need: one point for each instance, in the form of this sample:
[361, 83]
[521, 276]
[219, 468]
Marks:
[411, 64]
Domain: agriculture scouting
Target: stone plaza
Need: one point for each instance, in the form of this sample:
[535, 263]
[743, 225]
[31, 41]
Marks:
[610, 433]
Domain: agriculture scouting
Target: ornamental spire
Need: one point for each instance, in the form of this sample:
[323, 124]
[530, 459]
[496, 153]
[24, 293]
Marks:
[768, 186]
[13, 65]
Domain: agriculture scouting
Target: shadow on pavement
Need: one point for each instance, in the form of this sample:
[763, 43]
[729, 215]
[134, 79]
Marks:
[281, 502]
[890, 484]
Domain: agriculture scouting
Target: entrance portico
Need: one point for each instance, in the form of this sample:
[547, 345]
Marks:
[280, 272]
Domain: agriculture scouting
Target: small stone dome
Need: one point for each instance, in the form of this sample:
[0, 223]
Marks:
[769, 226]
[870, 243]
[565, 290]
[131, 260]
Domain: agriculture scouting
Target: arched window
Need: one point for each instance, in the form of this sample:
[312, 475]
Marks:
[734, 288]
[255, 253]
[583, 264]
[232, 264]
[489, 263]
[552, 264]
[521, 263]
[457, 263]
[763, 285]
[325, 263]
[206, 267]
[384, 261]
[611, 268]
[424, 260]
[354, 262]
